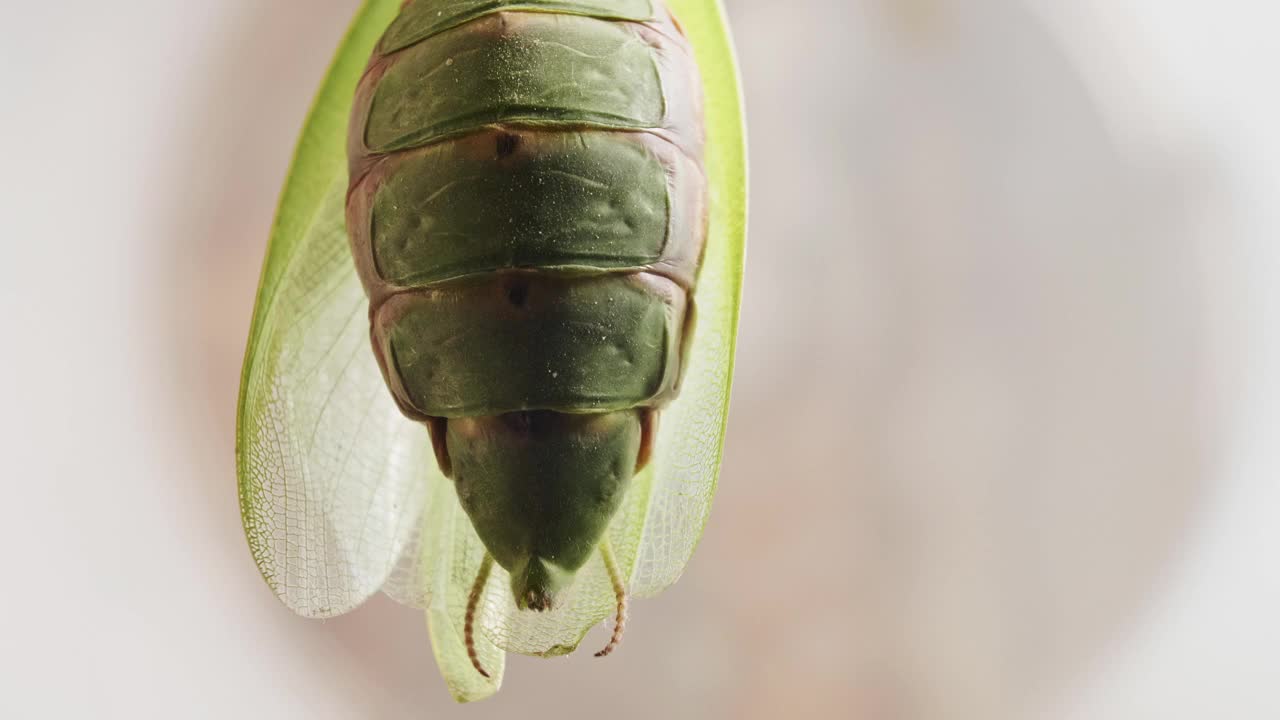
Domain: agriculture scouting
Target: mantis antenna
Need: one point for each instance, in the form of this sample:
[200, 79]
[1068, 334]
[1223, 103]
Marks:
[620, 590]
[468, 632]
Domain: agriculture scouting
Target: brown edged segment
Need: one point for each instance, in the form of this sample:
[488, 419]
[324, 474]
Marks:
[605, 202]
[507, 342]
[540, 70]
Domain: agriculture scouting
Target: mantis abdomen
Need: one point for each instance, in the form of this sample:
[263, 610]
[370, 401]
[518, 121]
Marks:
[527, 211]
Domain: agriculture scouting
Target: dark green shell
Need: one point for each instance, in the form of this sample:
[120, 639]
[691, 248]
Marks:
[527, 211]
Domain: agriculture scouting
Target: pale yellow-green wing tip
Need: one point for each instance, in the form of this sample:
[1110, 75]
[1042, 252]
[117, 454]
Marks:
[464, 683]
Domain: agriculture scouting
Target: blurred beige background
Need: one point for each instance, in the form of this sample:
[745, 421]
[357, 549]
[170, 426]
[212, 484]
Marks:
[1002, 442]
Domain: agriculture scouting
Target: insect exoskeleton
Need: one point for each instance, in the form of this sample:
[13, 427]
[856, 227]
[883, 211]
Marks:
[527, 212]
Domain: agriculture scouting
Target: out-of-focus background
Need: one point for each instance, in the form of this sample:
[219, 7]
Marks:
[1003, 441]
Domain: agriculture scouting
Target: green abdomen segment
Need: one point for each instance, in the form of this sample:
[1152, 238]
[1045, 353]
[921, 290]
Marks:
[602, 200]
[527, 207]
[420, 21]
[531, 341]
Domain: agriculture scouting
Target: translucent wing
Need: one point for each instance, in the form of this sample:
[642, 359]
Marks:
[332, 478]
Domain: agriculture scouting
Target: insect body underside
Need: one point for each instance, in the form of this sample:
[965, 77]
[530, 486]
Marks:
[527, 211]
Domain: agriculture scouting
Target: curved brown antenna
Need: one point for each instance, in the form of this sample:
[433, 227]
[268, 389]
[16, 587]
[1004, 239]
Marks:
[620, 590]
[473, 602]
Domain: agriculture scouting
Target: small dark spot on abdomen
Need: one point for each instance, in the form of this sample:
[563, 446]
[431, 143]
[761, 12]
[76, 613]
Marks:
[506, 144]
[517, 292]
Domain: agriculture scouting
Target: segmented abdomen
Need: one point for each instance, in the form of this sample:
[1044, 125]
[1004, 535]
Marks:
[527, 206]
